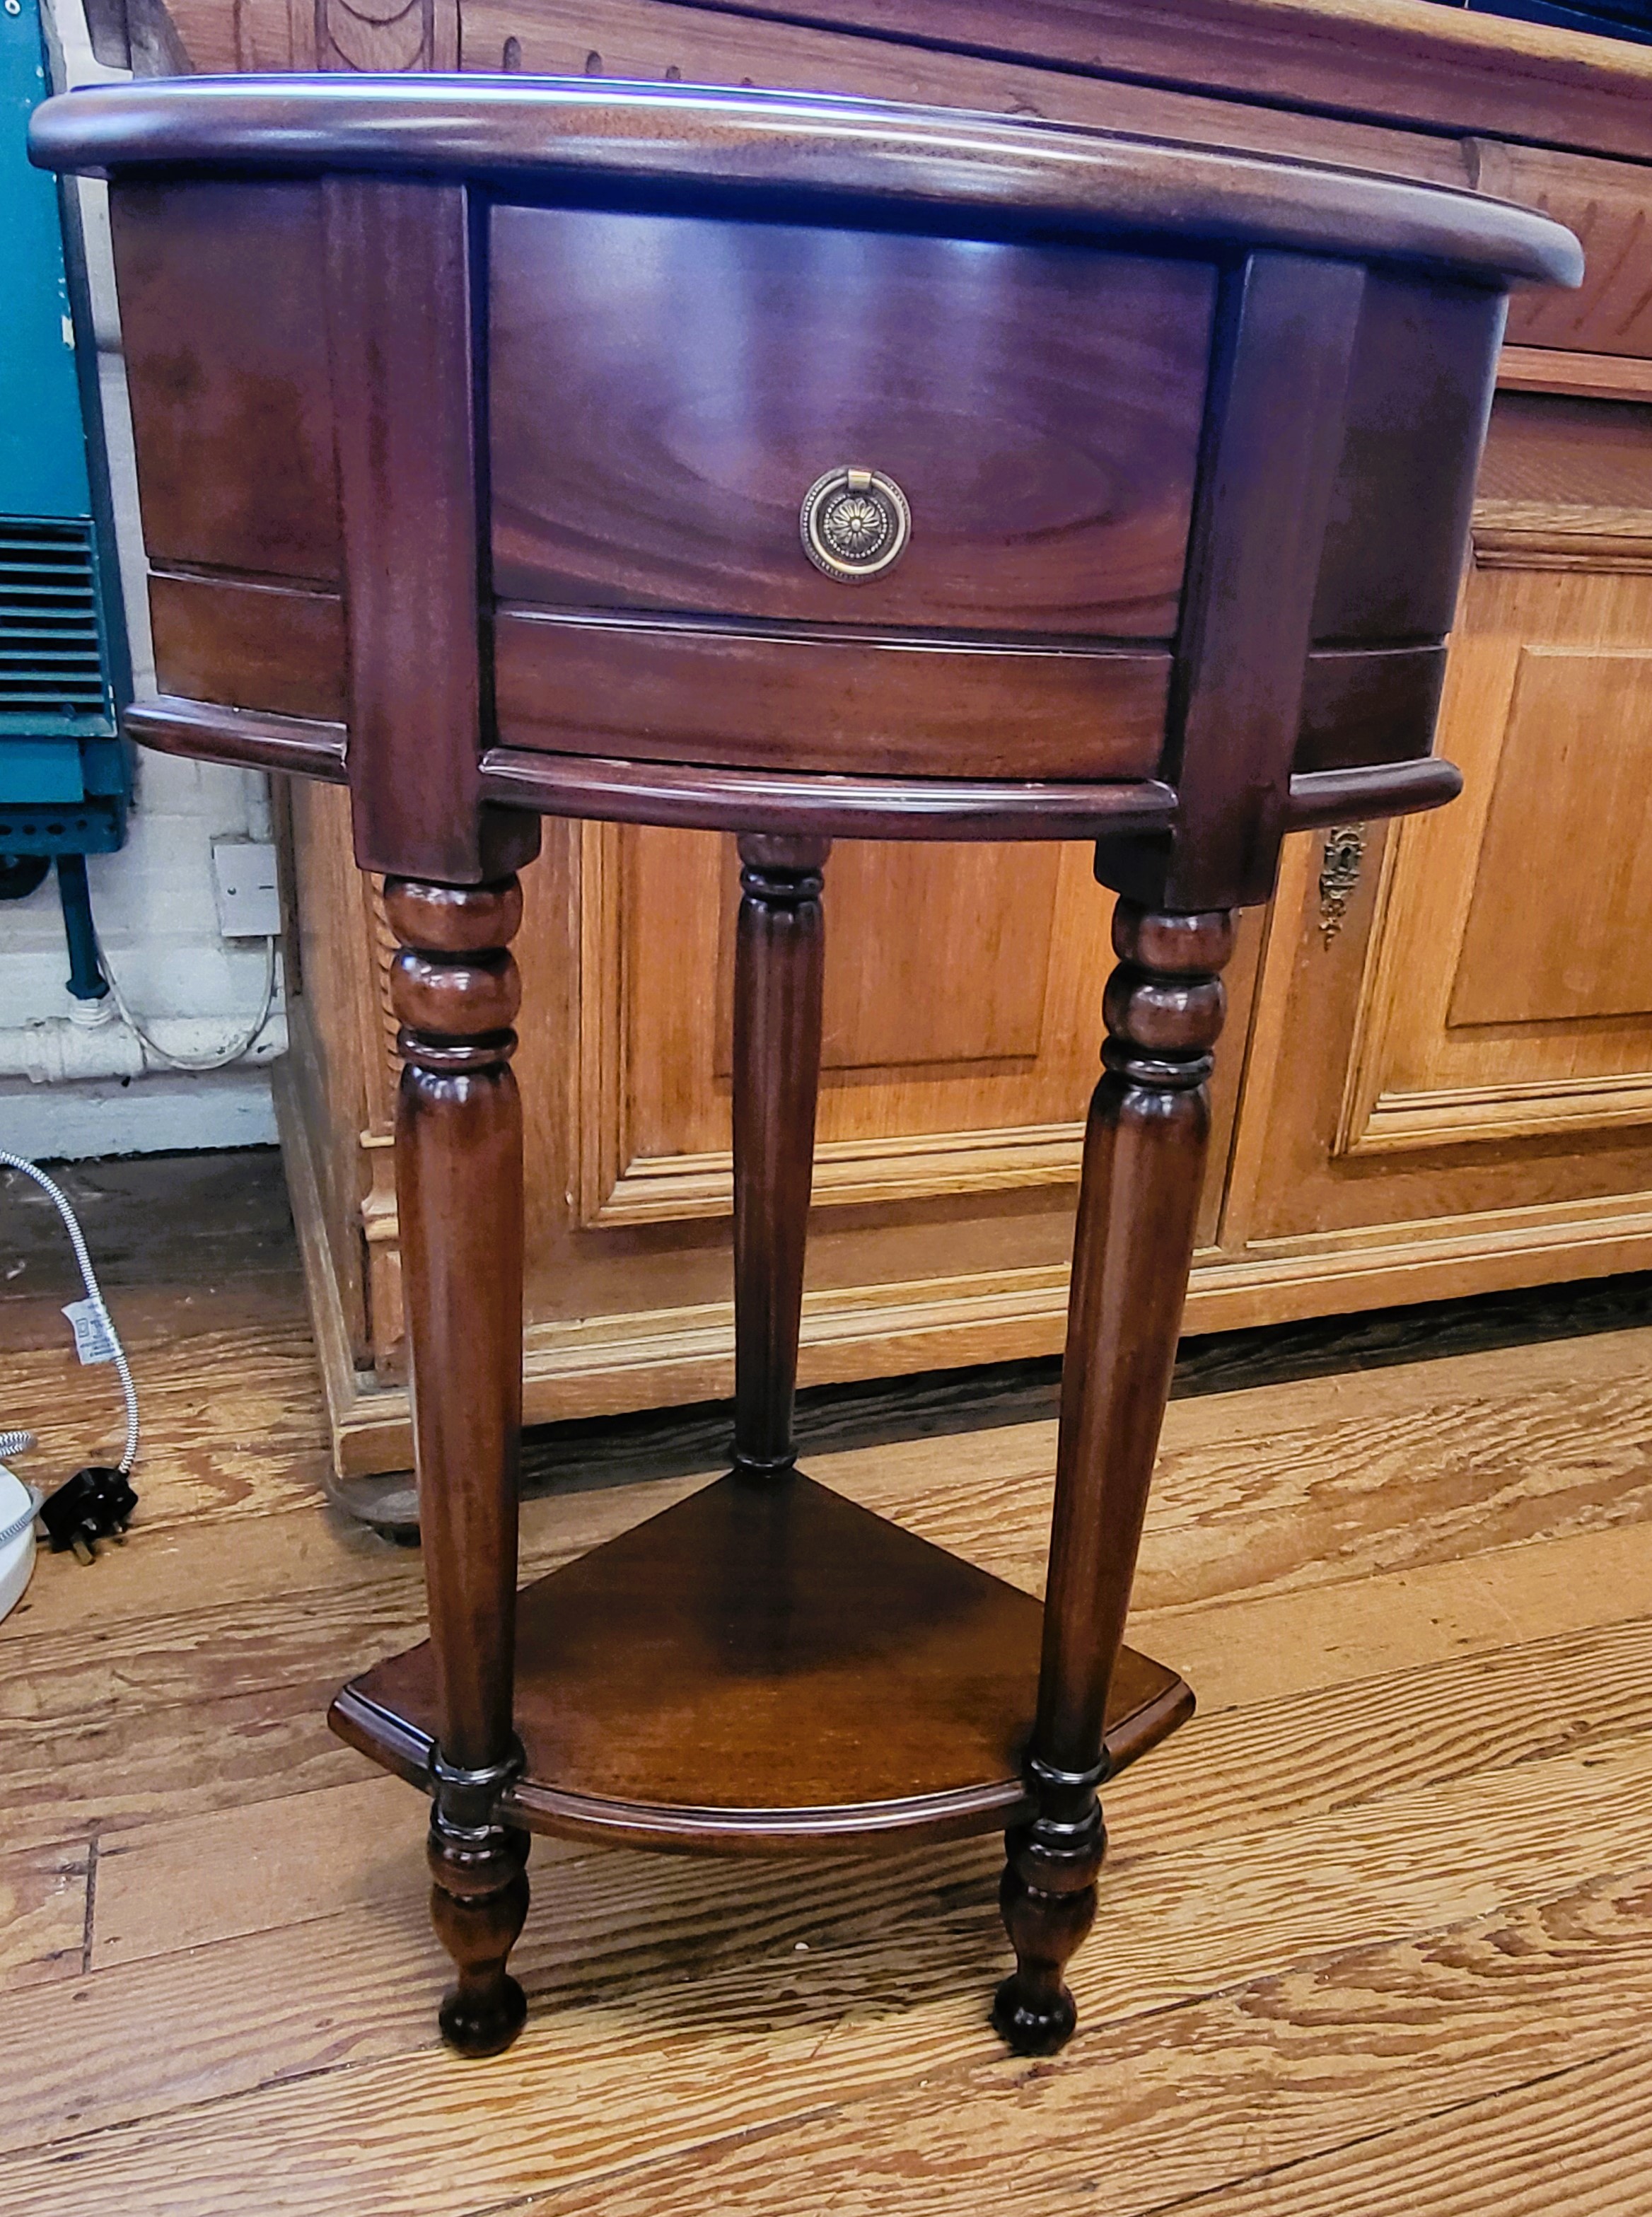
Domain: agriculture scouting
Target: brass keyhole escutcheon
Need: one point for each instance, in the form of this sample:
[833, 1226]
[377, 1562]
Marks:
[854, 524]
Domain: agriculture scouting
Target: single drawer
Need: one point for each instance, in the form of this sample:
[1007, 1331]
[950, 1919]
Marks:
[664, 392]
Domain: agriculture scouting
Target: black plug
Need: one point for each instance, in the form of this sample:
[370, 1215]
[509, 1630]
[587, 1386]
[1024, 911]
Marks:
[96, 1504]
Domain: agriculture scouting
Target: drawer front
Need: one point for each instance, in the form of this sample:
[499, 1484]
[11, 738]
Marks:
[810, 701]
[663, 392]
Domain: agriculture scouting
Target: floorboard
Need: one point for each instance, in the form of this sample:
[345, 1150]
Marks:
[1375, 1930]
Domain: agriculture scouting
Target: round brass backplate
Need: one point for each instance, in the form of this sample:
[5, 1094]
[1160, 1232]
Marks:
[855, 523]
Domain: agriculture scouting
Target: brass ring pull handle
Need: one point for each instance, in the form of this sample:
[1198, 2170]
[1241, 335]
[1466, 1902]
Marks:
[854, 524]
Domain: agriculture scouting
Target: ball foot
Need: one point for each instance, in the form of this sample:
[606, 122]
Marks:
[1029, 2031]
[477, 2026]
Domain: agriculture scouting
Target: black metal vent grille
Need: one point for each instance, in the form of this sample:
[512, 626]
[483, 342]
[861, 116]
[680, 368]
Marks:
[51, 669]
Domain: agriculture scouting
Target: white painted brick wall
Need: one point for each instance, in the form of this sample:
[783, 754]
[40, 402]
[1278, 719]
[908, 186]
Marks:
[153, 901]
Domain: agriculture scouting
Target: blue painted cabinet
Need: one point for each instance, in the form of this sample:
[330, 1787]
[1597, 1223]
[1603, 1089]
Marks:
[64, 671]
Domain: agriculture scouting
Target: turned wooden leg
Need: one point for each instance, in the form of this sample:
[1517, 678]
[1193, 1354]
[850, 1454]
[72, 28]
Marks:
[779, 958]
[459, 1197]
[1144, 1151]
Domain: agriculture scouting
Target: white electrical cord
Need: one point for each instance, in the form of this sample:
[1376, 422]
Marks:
[242, 1045]
[13, 1443]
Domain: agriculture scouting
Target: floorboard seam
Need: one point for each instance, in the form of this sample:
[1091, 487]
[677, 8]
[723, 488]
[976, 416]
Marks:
[1207, 2194]
[92, 1902]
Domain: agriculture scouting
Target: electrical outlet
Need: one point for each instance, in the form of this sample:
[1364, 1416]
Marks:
[243, 881]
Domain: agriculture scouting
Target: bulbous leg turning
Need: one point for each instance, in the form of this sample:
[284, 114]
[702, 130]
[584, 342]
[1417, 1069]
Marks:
[477, 1902]
[1049, 1899]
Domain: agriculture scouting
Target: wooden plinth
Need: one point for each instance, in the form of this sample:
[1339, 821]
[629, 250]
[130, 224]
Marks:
[765, 1666]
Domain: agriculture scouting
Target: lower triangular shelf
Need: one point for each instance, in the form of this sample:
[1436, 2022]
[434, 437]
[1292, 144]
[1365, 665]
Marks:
[765, 1665]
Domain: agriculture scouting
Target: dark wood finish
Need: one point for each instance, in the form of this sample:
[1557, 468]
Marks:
[400, 321]
[1418, 390]
[1365, 706]
[707, 375]
[1143, 1155]
[1330, 796]
[867, 703]
[459, 1191]
[295, 746]
[226, 354]
[1286, 336]
[765, 1667]
[1016, 319]
[245, 645]
[1024, 712]
[695, 797]
[771, 154]
[779, 971]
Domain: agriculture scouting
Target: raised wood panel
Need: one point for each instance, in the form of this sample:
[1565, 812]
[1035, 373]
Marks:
[1471, 1030]
[893, 995]
[695, 410]
[972, 988]
[1322, 1210]
[1574, 780]
[957, 1059]
[1609, 205]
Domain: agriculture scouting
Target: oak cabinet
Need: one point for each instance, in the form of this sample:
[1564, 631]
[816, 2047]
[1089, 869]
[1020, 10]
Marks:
[1437, 1077]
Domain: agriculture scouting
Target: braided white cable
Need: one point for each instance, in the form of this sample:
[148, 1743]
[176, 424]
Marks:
[225, 1056]
[9, 1532]
[14, 1442]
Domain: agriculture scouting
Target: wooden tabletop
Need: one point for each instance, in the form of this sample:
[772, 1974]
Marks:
[521, 128]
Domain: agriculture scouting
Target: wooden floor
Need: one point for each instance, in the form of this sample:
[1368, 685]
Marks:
[1376, 1932]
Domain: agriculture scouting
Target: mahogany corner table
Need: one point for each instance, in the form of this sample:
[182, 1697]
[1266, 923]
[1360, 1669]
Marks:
[798, 468]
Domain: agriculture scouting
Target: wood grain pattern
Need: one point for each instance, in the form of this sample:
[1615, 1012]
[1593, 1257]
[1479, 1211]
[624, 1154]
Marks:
[1286, 336]
[1608, 204]
[707, 376]
[1333, 61]
[1521, 963]
[1374, 60]
[1352, 1951]
[694, 798]
[768, 152]
[777, 997]
[1419, 392]
[396, 300]
[44, 1912]
[1423, 1079]
[1276, 1744]
[454, 989]
[245, 645]
[226, 362]
[1249, 2086]
[387, 2127]
[869, 704]
[362, 1233]
[657, 42]
[705, 1680]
